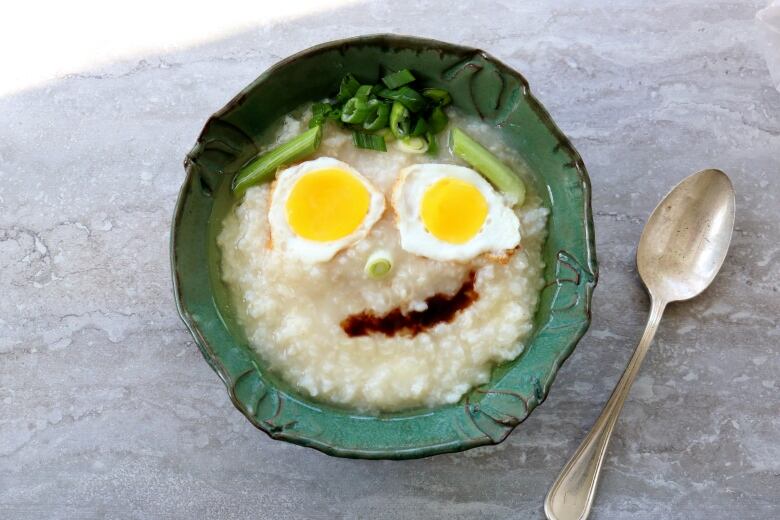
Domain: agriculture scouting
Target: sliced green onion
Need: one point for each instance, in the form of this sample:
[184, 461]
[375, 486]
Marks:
[263, 167]
[363, 91]
[335, 113]
[369, 141]
[387, 134]
[498, 173]
[379, 264]
[438, 95]
[433, 145]
[348, 88]
[378, 117]
[320, 108]
[399, 120]
[419, 128]
[438, 120]
[412, 145]
[355, 111]
[319, 113]
[398, 79]
[409, 97]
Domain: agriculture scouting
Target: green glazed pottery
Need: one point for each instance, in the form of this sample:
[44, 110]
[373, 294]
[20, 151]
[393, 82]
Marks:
[481, 86]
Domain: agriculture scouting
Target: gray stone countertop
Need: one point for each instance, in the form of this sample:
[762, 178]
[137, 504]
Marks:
[107, 409]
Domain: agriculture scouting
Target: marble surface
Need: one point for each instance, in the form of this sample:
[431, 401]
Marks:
[107, 409]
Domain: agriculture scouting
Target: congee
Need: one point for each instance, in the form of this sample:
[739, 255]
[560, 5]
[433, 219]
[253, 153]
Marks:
[384, 252]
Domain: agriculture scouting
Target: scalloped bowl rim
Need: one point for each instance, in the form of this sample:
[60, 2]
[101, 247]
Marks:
[213, 360]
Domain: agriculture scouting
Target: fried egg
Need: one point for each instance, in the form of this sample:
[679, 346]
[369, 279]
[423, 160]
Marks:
[447, 212]
[320, 207]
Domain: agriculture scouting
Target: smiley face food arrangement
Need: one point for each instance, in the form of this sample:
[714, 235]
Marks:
[375, 267]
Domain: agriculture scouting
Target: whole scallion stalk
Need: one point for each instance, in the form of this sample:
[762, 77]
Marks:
[490, 166]
[263, 167]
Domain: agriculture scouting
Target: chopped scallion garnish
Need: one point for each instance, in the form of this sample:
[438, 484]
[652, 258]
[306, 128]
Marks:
[391, 109]
[319, 113]
[369, 141]
[419, 128]
[379, 264]
[438, 95]
[320, 109]
[409, 97]
[379, 115]
[437, 120]
[412, 145]
[355, 111]
[399, 120]
[387, 134]
[363, 92]
[335, 113]
[263, 167]
[433, 145]
[348, 88]
[490, 166]
[398, 79]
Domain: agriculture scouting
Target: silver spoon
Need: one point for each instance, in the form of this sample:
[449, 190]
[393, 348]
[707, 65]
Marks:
[680, 251]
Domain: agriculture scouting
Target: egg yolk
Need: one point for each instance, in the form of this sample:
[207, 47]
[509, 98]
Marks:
[327, 204]
[453, 210]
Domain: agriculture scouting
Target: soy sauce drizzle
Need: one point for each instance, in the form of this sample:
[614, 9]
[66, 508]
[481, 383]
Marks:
[440, 308]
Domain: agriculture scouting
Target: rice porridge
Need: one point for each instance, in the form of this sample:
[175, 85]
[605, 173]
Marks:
[295, 312]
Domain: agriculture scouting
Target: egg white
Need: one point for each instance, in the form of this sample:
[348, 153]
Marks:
[283, 237]
[499, 233]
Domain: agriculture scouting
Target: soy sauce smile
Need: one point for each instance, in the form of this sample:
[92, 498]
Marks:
[441, 308]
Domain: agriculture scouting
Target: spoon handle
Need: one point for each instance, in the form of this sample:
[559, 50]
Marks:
[572, 493]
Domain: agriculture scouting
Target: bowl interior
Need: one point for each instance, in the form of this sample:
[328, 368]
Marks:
[481, 86]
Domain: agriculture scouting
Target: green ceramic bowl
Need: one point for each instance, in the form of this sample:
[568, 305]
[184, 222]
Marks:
[480, 86]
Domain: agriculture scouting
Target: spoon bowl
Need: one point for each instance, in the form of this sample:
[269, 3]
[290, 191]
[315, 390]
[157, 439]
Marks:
[687, 236]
